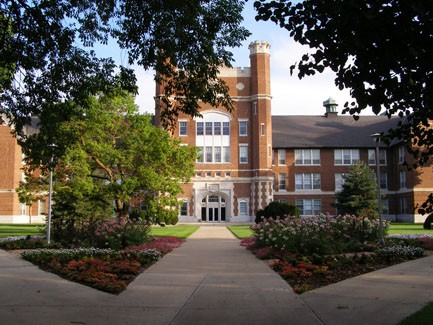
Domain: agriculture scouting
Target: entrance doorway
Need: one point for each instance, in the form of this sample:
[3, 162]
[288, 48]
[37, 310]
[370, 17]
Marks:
[213, 208]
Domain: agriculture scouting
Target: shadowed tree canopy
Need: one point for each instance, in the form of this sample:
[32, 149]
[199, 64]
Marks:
[46, 42]
[380, 50]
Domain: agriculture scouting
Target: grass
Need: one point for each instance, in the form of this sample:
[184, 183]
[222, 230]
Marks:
[408, 228]
[421, 317]
[182, 231]
[9, 230]
[241, 232]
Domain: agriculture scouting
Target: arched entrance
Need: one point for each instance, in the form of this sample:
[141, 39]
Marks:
[213, 208]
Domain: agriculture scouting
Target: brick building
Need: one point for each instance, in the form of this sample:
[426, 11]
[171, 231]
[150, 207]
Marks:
[249, 158]
[11, 163]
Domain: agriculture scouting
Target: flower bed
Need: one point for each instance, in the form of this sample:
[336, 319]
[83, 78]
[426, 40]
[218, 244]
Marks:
[103, 269]
[314, 252]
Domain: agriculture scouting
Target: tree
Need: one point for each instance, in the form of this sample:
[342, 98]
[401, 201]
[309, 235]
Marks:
[380, 50]
[359, 194]
[112, 156]
[277, 209]
[46, 43]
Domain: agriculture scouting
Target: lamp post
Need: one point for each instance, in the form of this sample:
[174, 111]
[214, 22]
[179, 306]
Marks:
[50, 193]
[376, 138]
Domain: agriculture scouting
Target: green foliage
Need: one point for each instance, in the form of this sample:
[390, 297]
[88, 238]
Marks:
[118, 233]
[49, 47]
[28, 243]
[359, 194]
[317, 235]
[277, 209]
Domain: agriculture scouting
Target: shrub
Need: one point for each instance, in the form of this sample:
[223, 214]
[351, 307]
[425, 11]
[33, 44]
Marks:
[277, 209]
[316, 235]
[121, 232]
[32, 243]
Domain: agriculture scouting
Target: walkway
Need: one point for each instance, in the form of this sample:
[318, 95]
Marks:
[212, 280]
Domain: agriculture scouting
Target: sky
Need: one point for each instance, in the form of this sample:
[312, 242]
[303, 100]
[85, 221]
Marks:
[290, 96]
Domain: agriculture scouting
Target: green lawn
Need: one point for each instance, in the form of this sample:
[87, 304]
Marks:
[181, 231]
[395, 228]
[421, 317]
[408, 228]
[7, 230]
[241, 232]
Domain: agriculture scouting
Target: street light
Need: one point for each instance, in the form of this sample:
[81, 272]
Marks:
[50, 192]
[376, 138]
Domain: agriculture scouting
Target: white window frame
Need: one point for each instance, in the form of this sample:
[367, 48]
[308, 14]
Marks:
[281, 157]
[301, 157]
[383, 180]
[315, 204]
[262, 129]
[282, 181]
[346, 157]
[182, 205]
[403, 205]
[243, 128]
[243, 153]
[183, 128]
[243, 207]
[339, 181]
[372, 157]
[308, 181]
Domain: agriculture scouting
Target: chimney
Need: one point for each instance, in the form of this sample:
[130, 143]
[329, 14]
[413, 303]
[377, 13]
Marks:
[331, 107]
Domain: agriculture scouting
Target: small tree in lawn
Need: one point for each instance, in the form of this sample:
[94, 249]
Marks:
[359, 194]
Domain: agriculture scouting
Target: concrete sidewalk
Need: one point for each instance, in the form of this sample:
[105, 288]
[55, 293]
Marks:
[211, 279]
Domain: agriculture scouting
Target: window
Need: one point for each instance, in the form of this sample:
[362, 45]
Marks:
[307, 157]
[213, 138]
[274, 182]
[208, 174]
[307, 181]
[226, 154]
[309, 207]
[346, 156]
[22, 209]
[403, 205]
[262, 127]
[199, 128]
[282, 181]
[200, 155]
[197, 174]
[385, 206]
[41, 209]
[243, 154]
[339, 182]
[273, 157]
[383, 180]
[213, 198]
[184, 208]
[217, 174]
[228, 174]
[217, 128]
[243, 208]
[226, 128]
[401, 154]
[242, 128]
[281, 156]
[402, 179]
[217, 154]
[208, 157]
[372, 157]
[183, 128]
[208, 126]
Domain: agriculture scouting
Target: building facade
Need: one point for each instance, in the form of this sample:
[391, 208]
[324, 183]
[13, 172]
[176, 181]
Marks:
[11, 173]
[248, 158]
